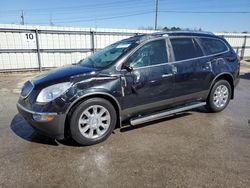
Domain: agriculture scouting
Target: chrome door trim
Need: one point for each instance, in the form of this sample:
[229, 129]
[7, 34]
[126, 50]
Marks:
[118, 65]
[122, 60]
[166, 75]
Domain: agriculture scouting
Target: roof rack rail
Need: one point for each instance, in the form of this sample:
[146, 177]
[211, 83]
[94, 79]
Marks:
[143, 37]
[192, 31]
[201, 32]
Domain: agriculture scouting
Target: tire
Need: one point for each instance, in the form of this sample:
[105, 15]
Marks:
[219, 96]
[93, 121]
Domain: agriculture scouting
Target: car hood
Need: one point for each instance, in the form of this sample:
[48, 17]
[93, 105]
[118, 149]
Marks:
[59, 75]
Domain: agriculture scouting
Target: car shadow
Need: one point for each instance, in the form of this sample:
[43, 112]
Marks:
[245, 76]
[22, 129]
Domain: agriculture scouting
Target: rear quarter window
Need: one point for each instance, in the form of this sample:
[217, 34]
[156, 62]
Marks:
[213, 46]
[185, 48]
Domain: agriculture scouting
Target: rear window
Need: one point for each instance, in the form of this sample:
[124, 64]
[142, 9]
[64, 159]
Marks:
[213, 46]
[185, 48]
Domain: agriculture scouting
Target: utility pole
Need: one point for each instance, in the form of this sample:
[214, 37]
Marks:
[22, 17]
[156, 13]
[51, 20]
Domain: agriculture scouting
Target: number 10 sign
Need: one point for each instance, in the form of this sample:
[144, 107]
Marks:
[29, 37]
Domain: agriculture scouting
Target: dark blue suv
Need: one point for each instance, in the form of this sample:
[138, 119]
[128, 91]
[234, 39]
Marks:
[139, 79]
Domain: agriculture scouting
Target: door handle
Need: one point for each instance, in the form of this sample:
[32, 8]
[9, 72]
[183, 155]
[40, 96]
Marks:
[166, 75]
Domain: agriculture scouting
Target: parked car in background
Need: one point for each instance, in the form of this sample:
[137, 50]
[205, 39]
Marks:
[139, 79]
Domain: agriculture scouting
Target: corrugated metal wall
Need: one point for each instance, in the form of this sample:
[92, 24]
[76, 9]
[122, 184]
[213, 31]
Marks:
[34, 47]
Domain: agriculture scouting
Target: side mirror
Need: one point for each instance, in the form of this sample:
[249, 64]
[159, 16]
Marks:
[128, 68]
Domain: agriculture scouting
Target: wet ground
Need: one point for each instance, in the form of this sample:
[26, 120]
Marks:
[193, 149]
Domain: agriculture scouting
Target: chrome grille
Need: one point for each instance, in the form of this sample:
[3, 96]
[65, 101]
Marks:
[27, 88]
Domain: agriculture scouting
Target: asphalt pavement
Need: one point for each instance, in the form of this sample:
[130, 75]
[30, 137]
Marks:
[192, 149]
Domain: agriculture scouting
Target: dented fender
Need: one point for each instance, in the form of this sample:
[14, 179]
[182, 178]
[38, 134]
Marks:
[94, 84]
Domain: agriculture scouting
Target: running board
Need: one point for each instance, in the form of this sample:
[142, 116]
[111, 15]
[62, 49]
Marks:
[162, 114]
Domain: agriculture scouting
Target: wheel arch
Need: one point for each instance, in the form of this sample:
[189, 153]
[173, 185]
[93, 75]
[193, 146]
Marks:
[224, 76]
[78, 101]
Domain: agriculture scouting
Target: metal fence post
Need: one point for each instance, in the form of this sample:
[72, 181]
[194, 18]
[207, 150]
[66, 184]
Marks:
[92, 38]
[243, 47]
[38, 51]
[237, 50]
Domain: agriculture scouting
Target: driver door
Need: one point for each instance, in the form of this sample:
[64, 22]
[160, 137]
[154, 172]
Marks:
[149, 83]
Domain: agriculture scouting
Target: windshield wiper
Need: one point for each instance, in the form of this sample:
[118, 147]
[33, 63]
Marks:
[78, 62]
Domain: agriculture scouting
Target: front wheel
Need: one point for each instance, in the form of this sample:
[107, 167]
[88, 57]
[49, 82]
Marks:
[219, 96]
[92, 121]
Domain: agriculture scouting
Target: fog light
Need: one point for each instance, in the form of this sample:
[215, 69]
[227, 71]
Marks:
[43, 117]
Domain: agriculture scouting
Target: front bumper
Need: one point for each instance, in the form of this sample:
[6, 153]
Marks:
[53, 129]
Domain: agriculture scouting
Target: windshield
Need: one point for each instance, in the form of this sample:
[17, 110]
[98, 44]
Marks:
[107, 56]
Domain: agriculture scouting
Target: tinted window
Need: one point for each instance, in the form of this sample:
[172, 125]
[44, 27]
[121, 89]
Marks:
[152, 53]
[185, 48]
[213, 46]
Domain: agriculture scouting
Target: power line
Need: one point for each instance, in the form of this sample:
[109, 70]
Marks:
[109, 18]
[105, 18]
[121, 2]
[148, 12]
[79, 20]
[101, 16]
[95, 9]
[205, 12]
[115, 4]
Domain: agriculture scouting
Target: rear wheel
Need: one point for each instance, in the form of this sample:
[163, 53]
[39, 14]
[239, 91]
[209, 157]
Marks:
[92, 121]
[219, 96]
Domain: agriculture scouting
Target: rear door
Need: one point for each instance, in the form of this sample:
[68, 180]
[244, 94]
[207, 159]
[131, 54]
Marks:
[187, 55]
[214, 62]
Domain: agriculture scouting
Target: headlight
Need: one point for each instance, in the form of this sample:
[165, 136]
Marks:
[52, 92]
